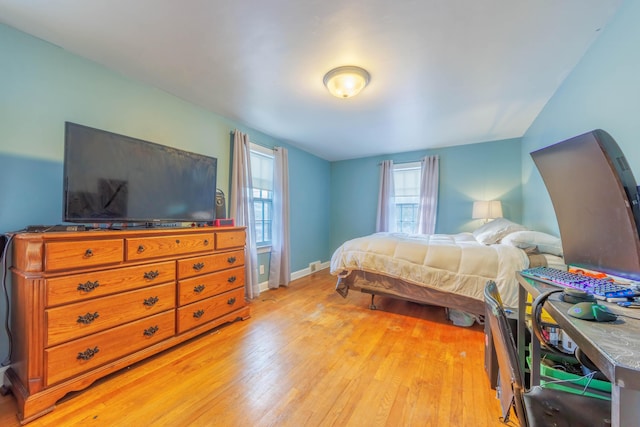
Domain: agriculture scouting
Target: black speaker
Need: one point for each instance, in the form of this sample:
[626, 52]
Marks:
[221, 206]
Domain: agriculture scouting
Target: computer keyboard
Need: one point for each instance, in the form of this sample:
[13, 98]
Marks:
[600, 288]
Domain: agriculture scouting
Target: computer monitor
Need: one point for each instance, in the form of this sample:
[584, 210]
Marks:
[595, 198]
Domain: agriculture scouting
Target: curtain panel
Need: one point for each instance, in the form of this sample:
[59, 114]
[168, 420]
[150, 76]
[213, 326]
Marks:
[280, 265]
[241, 208]
[428, 205]
[385, 220]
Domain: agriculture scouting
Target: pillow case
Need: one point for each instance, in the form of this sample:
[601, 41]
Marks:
[530, 240]
[492, 232]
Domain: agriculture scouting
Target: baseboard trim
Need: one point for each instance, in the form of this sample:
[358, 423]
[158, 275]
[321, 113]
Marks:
[306, 271]
[264, 286]
[297, 275]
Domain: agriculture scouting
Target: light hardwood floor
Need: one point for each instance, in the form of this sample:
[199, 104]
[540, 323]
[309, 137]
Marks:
[306, 357]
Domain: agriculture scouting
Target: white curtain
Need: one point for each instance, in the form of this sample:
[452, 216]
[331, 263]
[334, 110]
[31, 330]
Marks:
[386, 205]
[428, 205]
[280, 265]
[241, 209]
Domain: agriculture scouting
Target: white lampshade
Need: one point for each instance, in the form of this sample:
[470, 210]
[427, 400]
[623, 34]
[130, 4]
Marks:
[487, 209]
[345, 82]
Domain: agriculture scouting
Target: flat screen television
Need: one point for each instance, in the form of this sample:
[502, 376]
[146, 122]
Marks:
[595, 198]
[112, 178]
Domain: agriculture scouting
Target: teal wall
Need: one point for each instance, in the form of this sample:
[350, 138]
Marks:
[42, 86]
[603, 91]
[484, 171]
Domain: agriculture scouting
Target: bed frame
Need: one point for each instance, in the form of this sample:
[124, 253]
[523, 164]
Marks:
[379, 284]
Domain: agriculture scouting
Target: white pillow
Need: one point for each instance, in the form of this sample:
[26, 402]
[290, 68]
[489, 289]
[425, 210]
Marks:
[527, 240]
[493, 231]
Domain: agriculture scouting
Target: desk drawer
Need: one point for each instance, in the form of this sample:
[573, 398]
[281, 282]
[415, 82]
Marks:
[209, 263]
[208, 285]
[162, 246]
[83, 253]
[72, 321]
[72, 358]
[201, 312]
[62, 290]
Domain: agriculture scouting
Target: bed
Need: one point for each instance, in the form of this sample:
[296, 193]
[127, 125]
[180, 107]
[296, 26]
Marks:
[448, 270]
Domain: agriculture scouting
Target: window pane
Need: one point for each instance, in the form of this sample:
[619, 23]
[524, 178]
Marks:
[262, 176]
[267, 231]
[259, 231]
[267, 209]
[258, 208]
[407, 197]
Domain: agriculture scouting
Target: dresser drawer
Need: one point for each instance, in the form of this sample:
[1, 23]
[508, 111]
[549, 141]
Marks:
[230, 239]
[66, 360]
[209, 263]
[72, 321]
[162, 246]
[208, 285]
[83, 253]
[201, 312]
[62, 290]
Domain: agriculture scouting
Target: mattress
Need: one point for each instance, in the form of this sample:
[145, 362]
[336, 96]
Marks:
[453, 263]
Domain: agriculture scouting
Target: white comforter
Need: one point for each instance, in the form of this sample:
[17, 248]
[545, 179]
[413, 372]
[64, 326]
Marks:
[456, 263]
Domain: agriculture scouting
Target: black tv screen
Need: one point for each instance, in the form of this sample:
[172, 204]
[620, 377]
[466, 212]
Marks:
[119, 179]
[595, 198]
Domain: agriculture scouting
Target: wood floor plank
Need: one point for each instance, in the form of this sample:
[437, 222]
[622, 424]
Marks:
[306, 357]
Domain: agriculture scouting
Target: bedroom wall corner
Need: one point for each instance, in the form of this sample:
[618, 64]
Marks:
[482, 171]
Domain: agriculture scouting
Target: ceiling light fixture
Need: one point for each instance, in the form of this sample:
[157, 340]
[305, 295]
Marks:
[347, 81]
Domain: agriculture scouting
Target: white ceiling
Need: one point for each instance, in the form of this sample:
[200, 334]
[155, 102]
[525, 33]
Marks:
[443, 72]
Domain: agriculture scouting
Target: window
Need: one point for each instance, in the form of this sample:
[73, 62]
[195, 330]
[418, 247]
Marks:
[406, 179]
[262, 177]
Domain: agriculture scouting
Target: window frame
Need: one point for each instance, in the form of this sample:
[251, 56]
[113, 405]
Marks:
[262, 245]
[399, 207]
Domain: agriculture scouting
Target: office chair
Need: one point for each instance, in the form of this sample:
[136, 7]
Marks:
[538, 406]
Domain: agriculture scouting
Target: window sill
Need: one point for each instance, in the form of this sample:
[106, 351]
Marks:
[264, 249]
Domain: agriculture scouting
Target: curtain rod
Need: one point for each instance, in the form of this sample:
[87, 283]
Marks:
[411, 161]
[233, 132]
[402, 163]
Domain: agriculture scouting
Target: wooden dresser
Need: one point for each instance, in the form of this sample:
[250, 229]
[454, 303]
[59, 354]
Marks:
[85, 304]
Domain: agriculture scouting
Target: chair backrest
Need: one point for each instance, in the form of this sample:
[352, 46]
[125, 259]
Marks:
[511, 380]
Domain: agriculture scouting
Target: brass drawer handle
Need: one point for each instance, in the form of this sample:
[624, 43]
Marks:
[198, 289]
[231, 259]
[198, 314]
[88, 286]
[88, 253]
[150, 275]
[151, 301]
[206, 242]
[231, 279]
[88, 353]
[140, 249]
[151, 331]
[198, 266]
[231, 301]
[87, 318]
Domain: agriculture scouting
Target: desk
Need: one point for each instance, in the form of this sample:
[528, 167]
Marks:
[613, 347]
